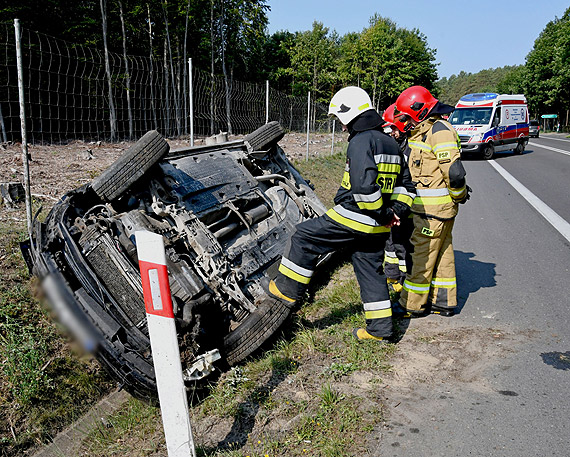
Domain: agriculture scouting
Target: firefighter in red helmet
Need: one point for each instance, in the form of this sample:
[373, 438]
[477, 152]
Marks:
[398, 251]
[437, 171]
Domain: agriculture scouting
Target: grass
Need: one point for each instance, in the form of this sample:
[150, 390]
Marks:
[44, 385]
[297, 398]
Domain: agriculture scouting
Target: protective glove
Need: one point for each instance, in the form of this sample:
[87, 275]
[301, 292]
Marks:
[467, 195]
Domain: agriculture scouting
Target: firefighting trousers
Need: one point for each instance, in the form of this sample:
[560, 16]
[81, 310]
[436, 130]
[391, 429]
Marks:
[398, 252]
[316, 237]
[432, 280]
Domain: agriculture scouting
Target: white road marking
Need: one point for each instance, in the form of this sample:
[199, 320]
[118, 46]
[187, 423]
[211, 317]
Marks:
[556, 139]
[562, 151]
[550, 215]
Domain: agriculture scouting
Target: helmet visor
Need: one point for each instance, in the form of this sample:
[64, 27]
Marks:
[404, 119]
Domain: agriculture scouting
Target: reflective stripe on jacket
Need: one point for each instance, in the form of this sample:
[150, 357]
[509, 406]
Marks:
[435, 146]
[375, 180]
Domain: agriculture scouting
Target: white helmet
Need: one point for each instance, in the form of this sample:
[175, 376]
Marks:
[348, 103]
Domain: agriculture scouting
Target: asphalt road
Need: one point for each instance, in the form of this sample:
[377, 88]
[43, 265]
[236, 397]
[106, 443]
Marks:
[513, 275]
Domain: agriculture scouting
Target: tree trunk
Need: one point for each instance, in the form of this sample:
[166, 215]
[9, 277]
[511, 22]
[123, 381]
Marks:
[185, 71]
[226, 83]
[3, 127]
[166, 89]
[152, 101]
[112, 115]
[127, 74]
[172, 74]
[211, 67]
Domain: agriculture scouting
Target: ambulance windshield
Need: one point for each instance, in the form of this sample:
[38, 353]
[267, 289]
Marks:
[471, 116]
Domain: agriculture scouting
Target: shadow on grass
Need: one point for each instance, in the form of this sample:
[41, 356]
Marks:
[244, 421]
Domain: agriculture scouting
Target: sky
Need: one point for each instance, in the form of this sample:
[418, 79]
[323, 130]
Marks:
[468, 36]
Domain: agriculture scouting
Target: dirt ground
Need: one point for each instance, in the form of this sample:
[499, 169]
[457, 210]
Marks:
[56, 169]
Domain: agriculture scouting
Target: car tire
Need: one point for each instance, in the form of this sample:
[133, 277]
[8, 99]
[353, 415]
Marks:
[254, 330]
[130, 166]
[519, 149]
[264, 136]
[488, 151]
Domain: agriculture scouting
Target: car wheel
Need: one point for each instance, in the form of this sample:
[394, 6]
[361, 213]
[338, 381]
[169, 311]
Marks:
[488, 151]
[519, 149]
[130, 166]
[264, 136]
[255, 329]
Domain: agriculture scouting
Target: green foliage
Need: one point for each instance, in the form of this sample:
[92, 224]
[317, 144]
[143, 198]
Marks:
[547, 71]
[313, 59]
[383, 59]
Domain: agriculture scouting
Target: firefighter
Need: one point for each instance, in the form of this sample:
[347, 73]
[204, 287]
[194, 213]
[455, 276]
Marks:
[438, 173]
[372, 198]
[398, 252]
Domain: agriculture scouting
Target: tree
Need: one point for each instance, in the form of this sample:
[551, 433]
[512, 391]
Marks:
[547, 72]
[312, 55]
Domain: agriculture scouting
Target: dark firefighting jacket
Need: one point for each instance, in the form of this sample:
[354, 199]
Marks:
[376, 181]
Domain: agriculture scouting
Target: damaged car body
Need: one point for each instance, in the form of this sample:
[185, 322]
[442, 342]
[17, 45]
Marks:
[225, 212]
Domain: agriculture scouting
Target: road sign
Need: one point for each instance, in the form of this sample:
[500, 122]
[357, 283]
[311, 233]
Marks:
[549, 116]
[164, 345]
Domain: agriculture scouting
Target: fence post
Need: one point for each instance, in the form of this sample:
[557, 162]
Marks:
[191, 92]
[266, 101]
[25, 156]
[332, 139]
[308, 122]
[164, 345]
[112, 114]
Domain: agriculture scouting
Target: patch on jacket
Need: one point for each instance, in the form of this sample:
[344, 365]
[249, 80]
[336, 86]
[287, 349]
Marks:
[444, 156]
[428, 232]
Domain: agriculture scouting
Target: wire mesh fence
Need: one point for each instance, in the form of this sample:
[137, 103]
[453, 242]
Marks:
[69, 95]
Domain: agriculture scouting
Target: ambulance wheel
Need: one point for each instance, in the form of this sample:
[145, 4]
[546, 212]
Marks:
[520, 148]
[488, 151]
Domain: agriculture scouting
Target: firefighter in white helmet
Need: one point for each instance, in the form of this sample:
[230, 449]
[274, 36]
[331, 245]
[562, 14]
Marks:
[373, 196]
[436, 168]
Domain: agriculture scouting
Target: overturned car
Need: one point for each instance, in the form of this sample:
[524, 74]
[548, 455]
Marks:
[225, 212]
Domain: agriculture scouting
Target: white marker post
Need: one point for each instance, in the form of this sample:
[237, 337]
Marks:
[164, 344]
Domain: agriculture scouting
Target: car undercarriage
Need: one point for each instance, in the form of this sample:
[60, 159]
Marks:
[225, 212]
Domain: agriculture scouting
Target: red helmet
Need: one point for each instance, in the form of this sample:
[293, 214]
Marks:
[416, 102]
[388, 116]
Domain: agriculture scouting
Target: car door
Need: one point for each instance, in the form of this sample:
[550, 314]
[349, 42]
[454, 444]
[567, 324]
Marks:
[499, 129]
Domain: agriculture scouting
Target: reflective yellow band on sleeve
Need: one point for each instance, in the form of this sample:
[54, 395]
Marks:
[370, 205]
[406, 199]
[457, 192]
[419, 145]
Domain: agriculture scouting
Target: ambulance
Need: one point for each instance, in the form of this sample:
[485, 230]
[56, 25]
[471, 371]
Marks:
[487, 123]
